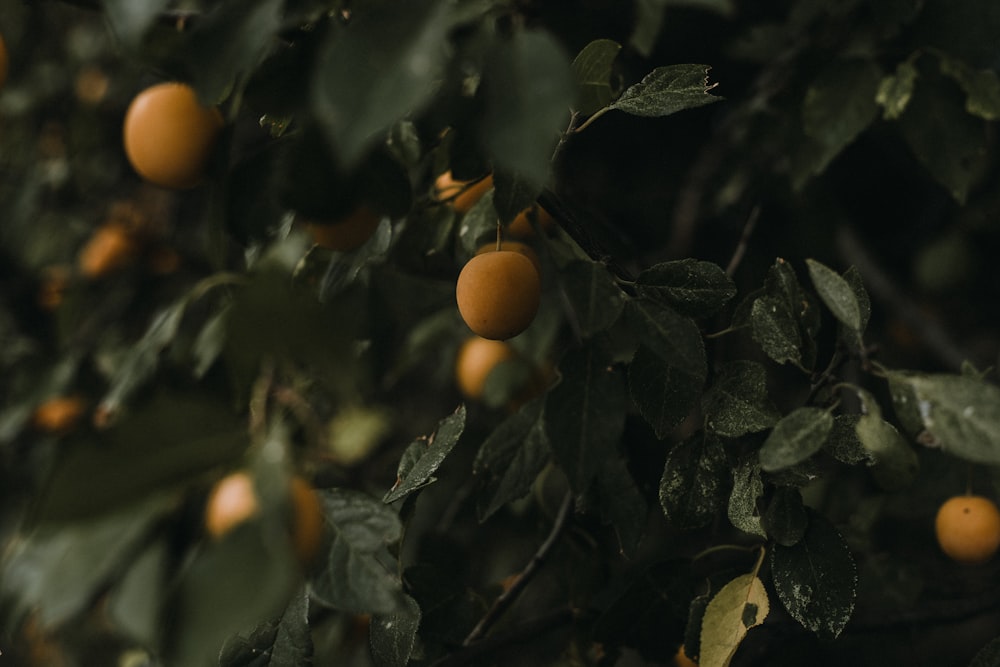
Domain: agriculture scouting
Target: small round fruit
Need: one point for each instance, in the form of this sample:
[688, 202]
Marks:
[498, 294]
[476, 359]
[347, 234]
[968, 528]
[521, 226]
[169, 136]
[232, 501]
[463, 195]
[111, 248]
[516, 246]
[307, 521]
[58, 415]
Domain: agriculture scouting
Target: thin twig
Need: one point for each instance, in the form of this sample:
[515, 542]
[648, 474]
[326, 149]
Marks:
[508, 597]
[744, 242]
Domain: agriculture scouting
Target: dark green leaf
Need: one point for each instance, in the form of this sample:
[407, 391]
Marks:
[843, 443]
[694, 288]
[960, 414]
[664, 395]
[622, 504]
[211, 341]
[280, 642]
[785, 519]
[419, 473]
[386, 64]
[853, 278]
[836, 293]
[673, 337]
[982, 87]
[816, 579]
[393, 636]
[511, 458]
[131, 20]
[585, 414]
[797, 436]
[776, 330]
[592, 68]
[987, 656]
[529, 90]
[693, 486]
[748, 489]
[738, 403]
[597, 300]
[512, 194]
[357, 576]
[667, 90]
[135, 601]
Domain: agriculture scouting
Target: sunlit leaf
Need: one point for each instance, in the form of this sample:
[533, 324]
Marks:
[896, 89]
[739, 606]
[667, 90]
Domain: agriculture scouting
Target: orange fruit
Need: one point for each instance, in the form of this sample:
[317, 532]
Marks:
[476, 359]
[58, 415]
[232, 501]
[521, 225]
[169, 136]
[498, 294]
[307, 520]
[516, 246]
[55, 281]
[463, 195]
[968, 528]
[346, 234]
[682, 660]
[111, 248]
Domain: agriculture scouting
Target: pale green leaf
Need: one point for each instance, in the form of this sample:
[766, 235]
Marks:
[796, 437]
[836, 293]
[592, 68]
[667, 90]
[896, 89]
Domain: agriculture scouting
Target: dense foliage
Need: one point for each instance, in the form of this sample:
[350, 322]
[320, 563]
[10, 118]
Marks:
[760, 363]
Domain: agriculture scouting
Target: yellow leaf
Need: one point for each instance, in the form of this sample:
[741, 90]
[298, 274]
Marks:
[740, 605]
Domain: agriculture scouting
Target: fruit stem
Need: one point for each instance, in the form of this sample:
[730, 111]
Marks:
[499, 235]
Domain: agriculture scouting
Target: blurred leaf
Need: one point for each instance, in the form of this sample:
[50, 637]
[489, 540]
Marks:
[693, 486]
[737, 402]
[987, 656]
[478, 225]
[961, 414]
[597, 301]
[982, 87]
[664, 395]
[895, 462]
[693, 288]
[585, 414]
[622, 504]
[797, 436]
[844, 444]
[359, 575]
[816, 579]
[393, 636]
[748, 489]
[384, 65]
[739, 606]
[592, 68]
[210, 342]
[28, 387]
[647, 25]
[511, 458]
[836, 293]
[785, 518]
[896, 89]
[282, 642]
[130, 20]
[512, 194]
[426, 455]
[136, 599]
[667, 90]
[529, 91]
[675, 338]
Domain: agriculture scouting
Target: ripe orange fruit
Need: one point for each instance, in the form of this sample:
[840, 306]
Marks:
[111, 248]
[463, 195]
[169, 135]
[968, 528]
[516, 246]
[521, 225]
[346, 234]
[498, 294]
[307, 521]
[232, 501]
[58, 415]
[476, 359]
[682, 660]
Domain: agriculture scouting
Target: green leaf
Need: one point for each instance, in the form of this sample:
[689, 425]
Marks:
[357, 577]
[896, 89]
[597, 301]
[786, 321]
[895, 463]
[511, 458]
[692, 488]
[529, 91]
[281, 642]
[836, 293]
[987, 656]
[775, 329]
[675, 338]
[667, 90]
[394, 636]
[386, 64]
[585, 414]
[428, 455]
[960, 414]
[739, 606]
[622, 504]
[592, 68]
[816, 579]
[511, 195]
[693, 288]
[982, 87]
[797, 436]
[843, 443]
[664, 395]
[785, 519]
[738, 403]
[135, 603]
[748, 489]
[853, 278]
[131, 20]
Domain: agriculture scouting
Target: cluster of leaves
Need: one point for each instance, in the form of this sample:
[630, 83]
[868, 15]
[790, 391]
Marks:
[690, 424]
